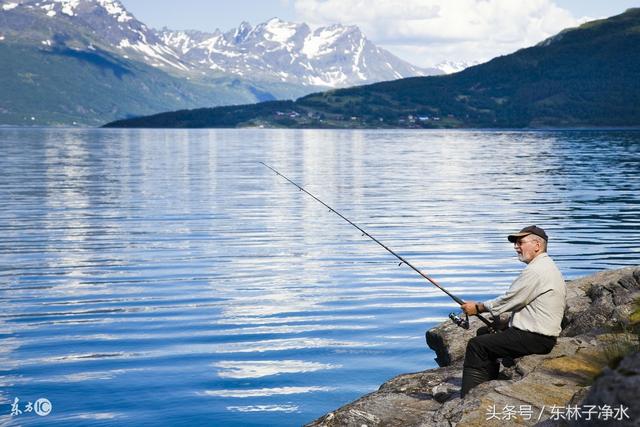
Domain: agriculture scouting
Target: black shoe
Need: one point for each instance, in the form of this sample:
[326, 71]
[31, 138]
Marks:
[494, 370]
[471, 377]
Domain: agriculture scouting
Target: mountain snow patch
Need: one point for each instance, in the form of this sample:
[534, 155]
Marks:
[279, 31]
[156, 52]
[321, 42]
[49, 8]
[115, 9]
[450, 67]
[68, 6]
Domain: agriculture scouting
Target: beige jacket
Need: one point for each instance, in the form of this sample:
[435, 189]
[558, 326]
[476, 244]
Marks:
[536, 299]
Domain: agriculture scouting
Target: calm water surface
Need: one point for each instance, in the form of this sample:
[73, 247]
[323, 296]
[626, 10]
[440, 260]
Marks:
[167, 278]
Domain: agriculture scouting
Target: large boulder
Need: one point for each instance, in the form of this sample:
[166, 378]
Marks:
[601, 301]
[526, 395]
[617, 388]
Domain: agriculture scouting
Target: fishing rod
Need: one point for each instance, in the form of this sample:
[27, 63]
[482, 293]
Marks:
[457, 320]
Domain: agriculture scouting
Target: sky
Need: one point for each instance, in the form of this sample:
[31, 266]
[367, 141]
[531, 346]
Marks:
[422, 32]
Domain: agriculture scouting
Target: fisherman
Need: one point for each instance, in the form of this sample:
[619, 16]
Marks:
[536, 300]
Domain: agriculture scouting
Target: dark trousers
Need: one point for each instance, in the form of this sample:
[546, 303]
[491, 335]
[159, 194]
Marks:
[483, 352]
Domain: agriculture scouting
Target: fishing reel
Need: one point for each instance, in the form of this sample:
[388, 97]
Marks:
[463, 323]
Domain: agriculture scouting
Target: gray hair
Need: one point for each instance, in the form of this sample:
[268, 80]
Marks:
[543, 243]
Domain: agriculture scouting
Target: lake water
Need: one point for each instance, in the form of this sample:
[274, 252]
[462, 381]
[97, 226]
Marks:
[155, 277]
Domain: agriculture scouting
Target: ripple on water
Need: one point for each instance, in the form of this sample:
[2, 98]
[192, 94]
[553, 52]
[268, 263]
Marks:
[167, 278]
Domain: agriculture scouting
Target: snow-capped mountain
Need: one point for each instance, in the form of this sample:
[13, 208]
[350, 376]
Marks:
[277, 51]
[87, 25]
[450, 67]
[91, 61]
[334, 56]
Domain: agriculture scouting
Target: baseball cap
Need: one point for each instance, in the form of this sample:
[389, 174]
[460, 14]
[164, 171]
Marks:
[532, 229]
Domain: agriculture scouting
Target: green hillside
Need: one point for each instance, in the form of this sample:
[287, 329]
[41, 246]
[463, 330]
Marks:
[66, 70]
[62, 86]
[587, 76]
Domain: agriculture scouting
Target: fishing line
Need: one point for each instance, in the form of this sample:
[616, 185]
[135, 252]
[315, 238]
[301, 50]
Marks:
[456, 319]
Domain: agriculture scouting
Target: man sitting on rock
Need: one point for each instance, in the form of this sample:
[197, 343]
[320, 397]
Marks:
[536, 300]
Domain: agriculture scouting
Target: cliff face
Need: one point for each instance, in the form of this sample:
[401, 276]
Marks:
[591, 377]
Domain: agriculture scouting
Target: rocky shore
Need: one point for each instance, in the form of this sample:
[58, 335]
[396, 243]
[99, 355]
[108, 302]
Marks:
[591, 377]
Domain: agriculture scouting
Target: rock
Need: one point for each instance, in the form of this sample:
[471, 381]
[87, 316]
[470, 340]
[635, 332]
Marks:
[617, 388]
[449, 341]
[601, 301]
[538, 388]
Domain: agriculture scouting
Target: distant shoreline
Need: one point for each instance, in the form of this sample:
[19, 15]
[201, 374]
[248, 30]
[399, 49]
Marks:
[541, 129]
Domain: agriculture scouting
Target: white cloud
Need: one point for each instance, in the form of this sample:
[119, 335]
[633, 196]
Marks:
[426, 32]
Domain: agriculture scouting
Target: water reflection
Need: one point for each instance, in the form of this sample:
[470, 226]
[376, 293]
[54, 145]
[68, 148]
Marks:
[265, 408]
[166, 277]
[262, 392]
[264, 368]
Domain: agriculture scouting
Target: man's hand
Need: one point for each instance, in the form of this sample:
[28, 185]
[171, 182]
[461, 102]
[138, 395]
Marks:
[471, 308]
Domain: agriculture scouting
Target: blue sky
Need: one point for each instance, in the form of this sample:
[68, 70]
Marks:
[423, 32]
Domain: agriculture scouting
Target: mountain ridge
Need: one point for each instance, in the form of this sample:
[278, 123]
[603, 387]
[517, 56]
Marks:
[332, 56]
[116, 62]
[582, 77]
